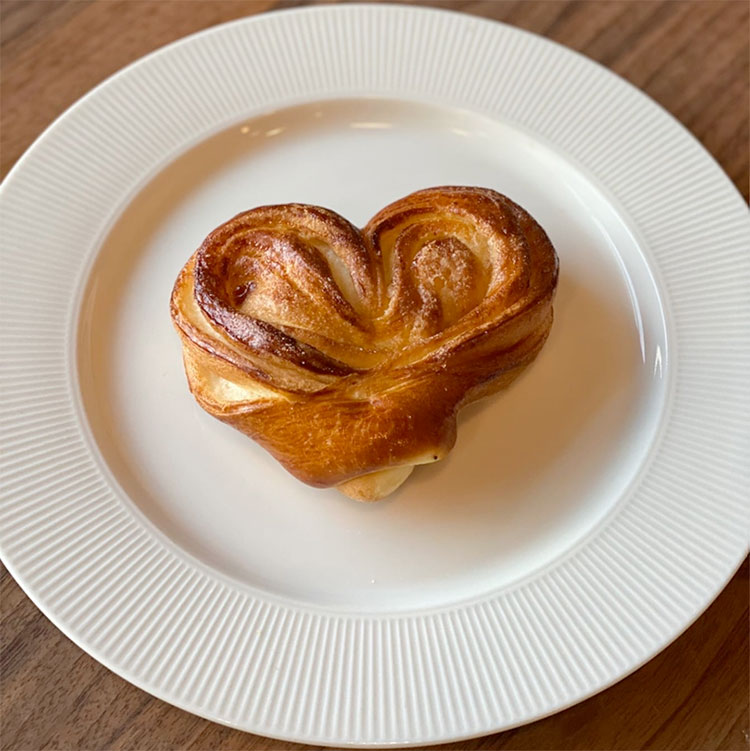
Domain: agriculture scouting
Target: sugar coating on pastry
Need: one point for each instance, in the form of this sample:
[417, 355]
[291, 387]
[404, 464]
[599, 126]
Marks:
[347, 353]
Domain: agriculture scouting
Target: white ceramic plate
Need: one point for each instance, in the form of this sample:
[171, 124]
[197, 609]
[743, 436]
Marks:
[585, 517]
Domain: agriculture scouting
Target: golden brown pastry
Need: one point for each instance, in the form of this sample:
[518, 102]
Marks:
[348, 353]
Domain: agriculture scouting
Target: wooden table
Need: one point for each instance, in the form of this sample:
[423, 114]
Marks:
[692, 57]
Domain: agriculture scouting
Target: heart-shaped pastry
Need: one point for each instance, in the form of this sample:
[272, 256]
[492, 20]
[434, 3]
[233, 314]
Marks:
[347, 354]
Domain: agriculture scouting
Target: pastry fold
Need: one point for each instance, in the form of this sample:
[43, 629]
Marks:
[347, 353]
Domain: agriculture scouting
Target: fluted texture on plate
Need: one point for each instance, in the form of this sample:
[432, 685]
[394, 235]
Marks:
[136, 602]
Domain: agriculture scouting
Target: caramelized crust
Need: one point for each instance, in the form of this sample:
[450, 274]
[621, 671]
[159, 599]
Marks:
[348, 353]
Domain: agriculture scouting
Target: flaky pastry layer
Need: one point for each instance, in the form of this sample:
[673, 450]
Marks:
[347, 354]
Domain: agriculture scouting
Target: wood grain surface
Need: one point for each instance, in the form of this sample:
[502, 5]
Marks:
[691, 57]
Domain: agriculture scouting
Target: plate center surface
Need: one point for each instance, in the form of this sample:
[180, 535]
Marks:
[534, 468]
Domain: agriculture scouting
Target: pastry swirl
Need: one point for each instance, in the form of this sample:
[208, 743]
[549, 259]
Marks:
[348, 353]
